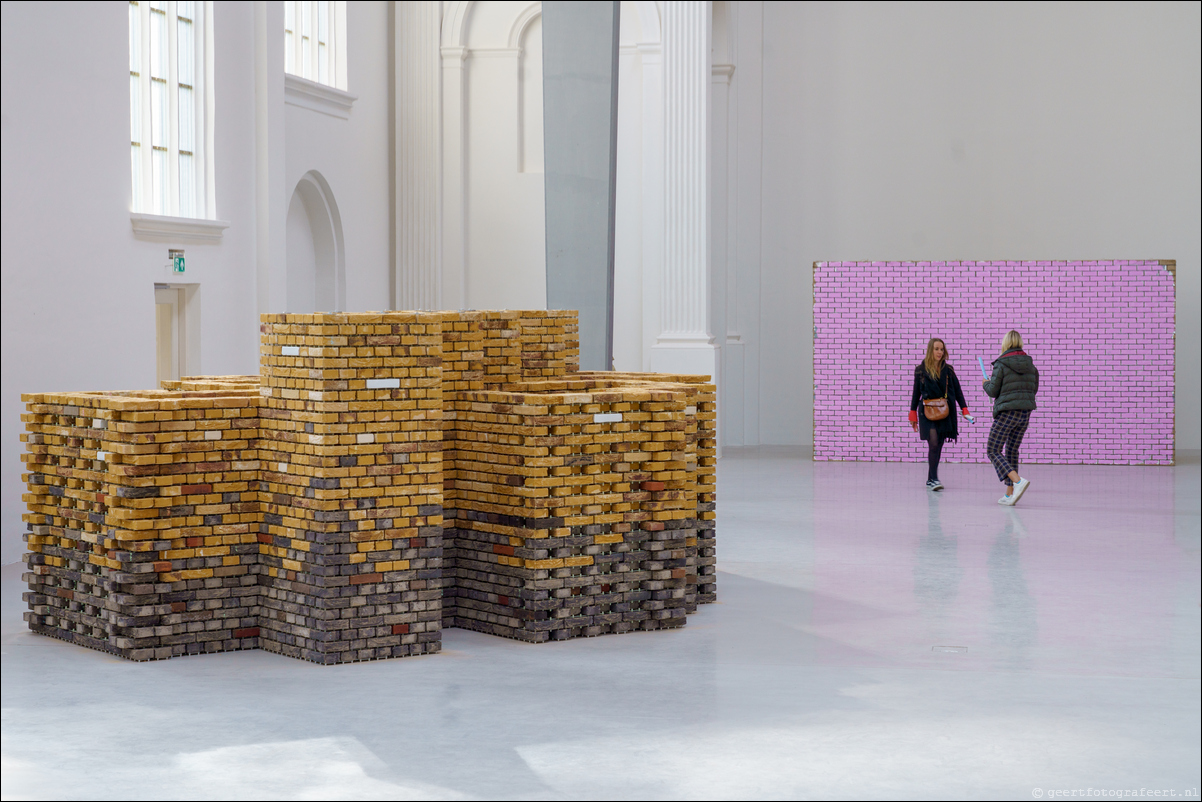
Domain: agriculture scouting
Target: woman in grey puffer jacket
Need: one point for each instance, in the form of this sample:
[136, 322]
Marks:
[1013, 386]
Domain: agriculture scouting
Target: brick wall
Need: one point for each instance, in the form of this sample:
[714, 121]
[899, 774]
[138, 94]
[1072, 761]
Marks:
[1101, 333]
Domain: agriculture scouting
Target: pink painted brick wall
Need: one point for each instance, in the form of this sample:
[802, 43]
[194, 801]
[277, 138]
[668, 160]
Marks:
[1100, 332]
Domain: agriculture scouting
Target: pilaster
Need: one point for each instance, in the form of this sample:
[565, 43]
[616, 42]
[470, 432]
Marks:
[684, 343]
[418, 152]
[454, 209]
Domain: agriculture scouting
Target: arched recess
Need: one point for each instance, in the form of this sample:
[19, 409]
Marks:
[316, 255]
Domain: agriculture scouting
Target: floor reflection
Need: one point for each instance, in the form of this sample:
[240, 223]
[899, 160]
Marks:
[1013, 625]
[937, 571]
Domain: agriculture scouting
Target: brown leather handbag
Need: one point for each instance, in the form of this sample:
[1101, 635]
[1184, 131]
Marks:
[934, 409]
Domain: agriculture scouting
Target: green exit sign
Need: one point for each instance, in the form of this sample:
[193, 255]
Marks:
[176, 260]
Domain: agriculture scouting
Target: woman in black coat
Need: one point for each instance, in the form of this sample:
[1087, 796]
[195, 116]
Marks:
[934, 378]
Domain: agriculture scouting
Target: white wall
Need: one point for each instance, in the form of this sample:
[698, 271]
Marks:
[919, 131]
[353, 156]
[506, 259]
[78, 288]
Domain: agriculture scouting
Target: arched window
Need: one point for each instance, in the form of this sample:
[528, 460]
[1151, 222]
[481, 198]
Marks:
[315, 41]
[170, 107]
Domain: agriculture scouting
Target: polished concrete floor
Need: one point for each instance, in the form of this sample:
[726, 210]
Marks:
[872, 640]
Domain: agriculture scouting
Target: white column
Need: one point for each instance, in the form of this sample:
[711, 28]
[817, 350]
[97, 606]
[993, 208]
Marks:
[684, 344]
[722, 278]
[271, 187]
[652, 201]
[418, 153]
[454, 200]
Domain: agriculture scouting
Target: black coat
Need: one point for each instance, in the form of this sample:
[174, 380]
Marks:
[947, 386]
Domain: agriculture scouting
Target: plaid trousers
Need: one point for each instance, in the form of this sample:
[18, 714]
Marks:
[1007, 432]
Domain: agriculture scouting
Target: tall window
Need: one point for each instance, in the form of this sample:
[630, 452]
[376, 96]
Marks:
[168, 107]
[314, 38]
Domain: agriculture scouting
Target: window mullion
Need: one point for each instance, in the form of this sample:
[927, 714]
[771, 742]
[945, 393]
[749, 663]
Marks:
[147, 117]
[298, 38]
[332, 45]
[338, 42]
[172, 110]
[313, 74]
[200, 145]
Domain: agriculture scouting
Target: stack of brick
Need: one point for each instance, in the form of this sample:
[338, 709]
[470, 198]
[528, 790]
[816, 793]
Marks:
[302, 510]
[143, 520]
[480, 349]
[202, 383]
[351, 485]
[701, 412]
[564, 524]
[550, 343]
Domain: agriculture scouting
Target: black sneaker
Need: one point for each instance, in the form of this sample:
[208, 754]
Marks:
[934, 484]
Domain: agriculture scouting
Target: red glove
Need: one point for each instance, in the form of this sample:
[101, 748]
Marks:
[913, 416]
[964, 412]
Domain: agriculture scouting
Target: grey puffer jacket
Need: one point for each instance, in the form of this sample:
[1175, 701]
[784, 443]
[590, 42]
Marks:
[1014, 383]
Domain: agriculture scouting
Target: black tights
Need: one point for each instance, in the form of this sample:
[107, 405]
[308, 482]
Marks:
[934, 450]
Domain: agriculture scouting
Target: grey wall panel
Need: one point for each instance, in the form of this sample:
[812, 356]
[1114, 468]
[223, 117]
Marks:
[580, 112]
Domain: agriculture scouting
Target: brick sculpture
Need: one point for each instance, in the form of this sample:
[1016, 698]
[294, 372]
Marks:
[1089, 325]
[386, 475]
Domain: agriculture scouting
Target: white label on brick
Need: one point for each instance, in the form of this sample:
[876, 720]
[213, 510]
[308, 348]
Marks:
[290, 350]
[213, 434]
[283, 466]
[365, 438]
[102, 455]
[607, 417]
[98, 423]
[383, 384]
[690, 410]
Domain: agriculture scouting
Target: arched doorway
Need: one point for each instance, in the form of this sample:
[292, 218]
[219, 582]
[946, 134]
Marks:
[316, 268]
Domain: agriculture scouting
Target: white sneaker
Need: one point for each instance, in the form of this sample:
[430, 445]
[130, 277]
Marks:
[1019, 488]
[1006, 501]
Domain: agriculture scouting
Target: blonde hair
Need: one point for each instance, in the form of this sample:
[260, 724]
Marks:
[934, 369]
[1013, 341]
